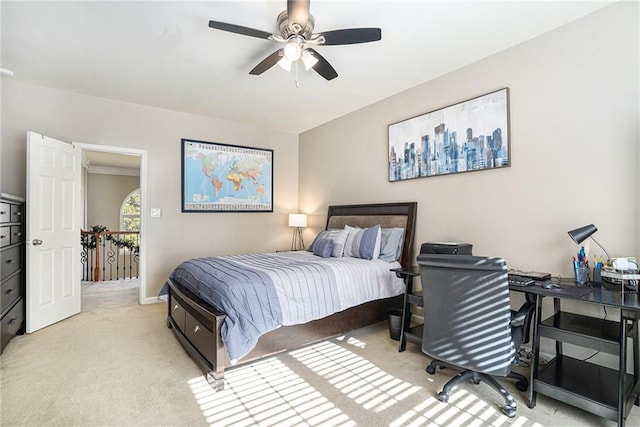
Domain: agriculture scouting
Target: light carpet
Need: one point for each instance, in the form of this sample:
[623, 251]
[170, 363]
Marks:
[117, 364]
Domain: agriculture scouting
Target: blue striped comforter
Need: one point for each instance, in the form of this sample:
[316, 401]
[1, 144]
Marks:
[261, 292]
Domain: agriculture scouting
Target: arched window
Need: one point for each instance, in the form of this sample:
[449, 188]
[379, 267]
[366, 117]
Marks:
[130, 212]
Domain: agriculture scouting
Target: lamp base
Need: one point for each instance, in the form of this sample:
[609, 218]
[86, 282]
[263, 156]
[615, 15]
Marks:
[297, 242]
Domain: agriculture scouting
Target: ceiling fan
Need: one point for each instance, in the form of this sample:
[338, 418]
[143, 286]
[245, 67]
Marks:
[296, 33]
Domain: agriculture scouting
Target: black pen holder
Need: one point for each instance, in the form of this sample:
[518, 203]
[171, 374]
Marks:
[597, 279]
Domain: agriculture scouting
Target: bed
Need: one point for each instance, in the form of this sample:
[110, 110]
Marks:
[197, 313]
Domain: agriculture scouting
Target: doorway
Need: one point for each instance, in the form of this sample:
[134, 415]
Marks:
[124, 166]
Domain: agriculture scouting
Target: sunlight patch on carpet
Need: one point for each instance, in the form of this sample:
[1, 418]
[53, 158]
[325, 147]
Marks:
[269, 393]
[463, 409]
[355, 376]
[265, 393]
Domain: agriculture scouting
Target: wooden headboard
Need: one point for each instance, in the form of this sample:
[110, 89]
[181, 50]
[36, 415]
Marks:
[386, 214]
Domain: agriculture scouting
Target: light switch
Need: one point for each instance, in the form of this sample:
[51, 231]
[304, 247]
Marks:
[156, 212]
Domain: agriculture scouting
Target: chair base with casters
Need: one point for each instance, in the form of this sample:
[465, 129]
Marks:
[522, 383]
[520, 325]
[509, 409]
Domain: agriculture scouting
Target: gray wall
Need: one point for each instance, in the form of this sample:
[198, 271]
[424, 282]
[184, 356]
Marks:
[574, 104]
[574, 108]
[175, 236]
[105, 194]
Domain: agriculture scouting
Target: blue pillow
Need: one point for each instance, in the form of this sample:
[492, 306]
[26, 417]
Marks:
[339, 238]
[363, 243]
[323, 247]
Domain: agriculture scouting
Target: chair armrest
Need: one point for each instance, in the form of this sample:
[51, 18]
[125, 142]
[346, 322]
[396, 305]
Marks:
[522, 317]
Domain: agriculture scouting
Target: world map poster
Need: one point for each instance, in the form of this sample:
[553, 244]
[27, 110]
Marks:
[226, 178]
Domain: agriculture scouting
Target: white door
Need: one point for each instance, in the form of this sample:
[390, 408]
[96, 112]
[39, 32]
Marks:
[53, 231]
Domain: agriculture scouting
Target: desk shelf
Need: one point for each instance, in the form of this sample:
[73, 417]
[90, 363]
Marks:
[415, 299]
[607, 392]
[414, 334]
[584, 331]
[585, 385]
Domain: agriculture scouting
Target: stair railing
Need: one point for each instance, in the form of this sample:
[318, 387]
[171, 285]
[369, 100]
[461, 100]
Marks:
[109, 255]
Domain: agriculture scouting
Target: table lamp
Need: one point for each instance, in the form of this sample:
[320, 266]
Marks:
[581, 234]
[299, 221]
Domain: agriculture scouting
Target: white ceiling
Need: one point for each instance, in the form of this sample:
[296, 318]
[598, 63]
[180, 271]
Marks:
[164, 54]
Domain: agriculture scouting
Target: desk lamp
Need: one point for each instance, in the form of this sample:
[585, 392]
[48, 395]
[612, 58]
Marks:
[299, 221]
[581, 234]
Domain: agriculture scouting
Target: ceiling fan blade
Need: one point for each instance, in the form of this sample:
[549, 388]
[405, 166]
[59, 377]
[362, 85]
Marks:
[238, 29]
[268, 62]
[350, 36]
[298, 13]
[323, 67]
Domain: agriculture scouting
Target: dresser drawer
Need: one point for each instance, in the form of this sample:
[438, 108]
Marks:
[10, 261]
[16, 213]
[11, 324]
[9, 292]
[177, 314]
[202, 338]
[5, 236]
[17, 236]
[5, 212]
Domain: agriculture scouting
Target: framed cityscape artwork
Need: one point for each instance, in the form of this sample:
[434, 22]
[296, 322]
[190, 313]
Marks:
[468, 136]
[226, 178]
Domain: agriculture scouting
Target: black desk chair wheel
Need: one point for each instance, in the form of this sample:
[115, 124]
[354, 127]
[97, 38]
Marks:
[468, 322]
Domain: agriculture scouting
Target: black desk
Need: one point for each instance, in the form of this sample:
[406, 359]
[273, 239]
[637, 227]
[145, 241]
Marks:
[609, 393]
[606, 392]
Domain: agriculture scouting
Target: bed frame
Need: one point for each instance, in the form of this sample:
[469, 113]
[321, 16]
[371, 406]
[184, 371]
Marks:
[197, 325]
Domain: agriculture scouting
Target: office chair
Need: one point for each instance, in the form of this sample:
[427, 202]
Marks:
[468, 323]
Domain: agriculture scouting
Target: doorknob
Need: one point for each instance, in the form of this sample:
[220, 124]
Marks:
[36, 242]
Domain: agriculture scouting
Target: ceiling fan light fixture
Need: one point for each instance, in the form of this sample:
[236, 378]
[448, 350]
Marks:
[295, 32]
[292, 51]
[285, 63]
[308, 60]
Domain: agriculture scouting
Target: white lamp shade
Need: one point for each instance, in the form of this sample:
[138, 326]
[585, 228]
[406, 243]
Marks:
[285, 63]
[308, 60]
[297, 220]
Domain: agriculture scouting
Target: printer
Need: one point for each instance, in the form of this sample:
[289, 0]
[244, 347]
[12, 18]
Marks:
[451, 248]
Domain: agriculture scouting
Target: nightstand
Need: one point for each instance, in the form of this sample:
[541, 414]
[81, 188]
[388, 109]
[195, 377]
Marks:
[407, 333]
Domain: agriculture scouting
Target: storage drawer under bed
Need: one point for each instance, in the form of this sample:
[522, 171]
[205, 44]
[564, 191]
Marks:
[201, 327]
[201, 337]
[177, 313]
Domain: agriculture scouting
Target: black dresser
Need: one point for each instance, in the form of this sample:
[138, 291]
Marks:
[12, 272]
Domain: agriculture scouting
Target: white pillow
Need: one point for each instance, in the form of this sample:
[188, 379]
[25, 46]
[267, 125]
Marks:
[349, 242]
[391, 244]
